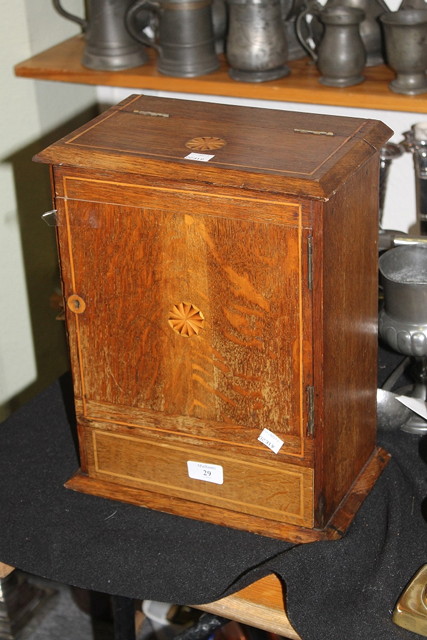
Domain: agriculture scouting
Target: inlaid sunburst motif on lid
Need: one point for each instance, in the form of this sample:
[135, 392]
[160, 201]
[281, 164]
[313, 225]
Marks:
[205, 143]
[186, 319]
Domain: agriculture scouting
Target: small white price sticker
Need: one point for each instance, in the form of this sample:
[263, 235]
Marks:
[205, 471]
[200, 157]
[270, 440]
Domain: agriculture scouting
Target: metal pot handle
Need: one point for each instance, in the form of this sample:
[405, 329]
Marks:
[135, 27]
[81, 21]
[312, 9]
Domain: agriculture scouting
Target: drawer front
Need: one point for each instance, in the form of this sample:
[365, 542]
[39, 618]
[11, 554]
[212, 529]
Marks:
[280, 492]
[193, 315]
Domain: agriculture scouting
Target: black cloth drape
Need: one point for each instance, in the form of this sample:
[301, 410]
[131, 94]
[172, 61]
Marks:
[345, 588]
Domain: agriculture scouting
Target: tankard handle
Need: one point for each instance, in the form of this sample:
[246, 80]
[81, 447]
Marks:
[81, 21]
[304, 28]
[135, 27]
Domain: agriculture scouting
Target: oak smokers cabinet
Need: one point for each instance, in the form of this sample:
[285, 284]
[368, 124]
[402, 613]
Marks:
[219, 268]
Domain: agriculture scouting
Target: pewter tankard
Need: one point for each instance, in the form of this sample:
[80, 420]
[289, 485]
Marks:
[290, 11]
[341, 55]
[406, 49]
[183, 35]
[109, 46]
[256, 47]
[370, 28]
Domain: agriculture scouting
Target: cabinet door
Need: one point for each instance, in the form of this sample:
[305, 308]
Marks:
[189, 313]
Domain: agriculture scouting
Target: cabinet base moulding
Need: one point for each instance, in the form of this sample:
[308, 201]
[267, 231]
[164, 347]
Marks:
[335, 529]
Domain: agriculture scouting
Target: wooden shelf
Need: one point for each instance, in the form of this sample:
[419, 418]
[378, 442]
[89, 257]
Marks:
[62, 63]
[261, 605]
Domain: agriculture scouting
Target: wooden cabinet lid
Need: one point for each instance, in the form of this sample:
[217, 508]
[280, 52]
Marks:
[285, 151]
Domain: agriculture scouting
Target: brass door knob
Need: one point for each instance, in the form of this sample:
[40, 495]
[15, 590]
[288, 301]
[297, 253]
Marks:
[76, 304]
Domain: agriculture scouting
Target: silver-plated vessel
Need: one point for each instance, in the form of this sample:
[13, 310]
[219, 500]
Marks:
[108, 44]
[403, 319]
[415, 141]
[389, 152]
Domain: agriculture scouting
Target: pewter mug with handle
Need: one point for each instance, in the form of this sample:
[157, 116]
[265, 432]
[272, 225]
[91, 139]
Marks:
[183, 35]
[406, 49]
[256, 46]
[290, 11]
[341, 55]
[109, 46]
[370, 28]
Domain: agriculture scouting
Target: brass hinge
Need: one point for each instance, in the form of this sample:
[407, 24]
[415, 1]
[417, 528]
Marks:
[310, 262]
[310, 411]
[153, 114]
[314, 132]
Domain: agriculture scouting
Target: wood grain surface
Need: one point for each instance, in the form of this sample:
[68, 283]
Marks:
[5, 570]
[148, 136]
[262, 604]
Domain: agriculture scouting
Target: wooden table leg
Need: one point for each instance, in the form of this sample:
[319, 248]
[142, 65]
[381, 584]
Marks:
[124, 618]
[20, 600]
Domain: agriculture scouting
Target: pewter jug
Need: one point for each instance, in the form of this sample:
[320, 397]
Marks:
[341, 55]
[290, 11]
[370, 28]
[183, 35]
[108, 44]
[406, 49]
[256, 46]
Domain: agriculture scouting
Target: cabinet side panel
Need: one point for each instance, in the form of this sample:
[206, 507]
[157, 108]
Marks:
[350, 311]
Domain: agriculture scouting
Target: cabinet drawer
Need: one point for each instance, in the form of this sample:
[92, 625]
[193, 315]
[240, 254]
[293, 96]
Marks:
[280, 492]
